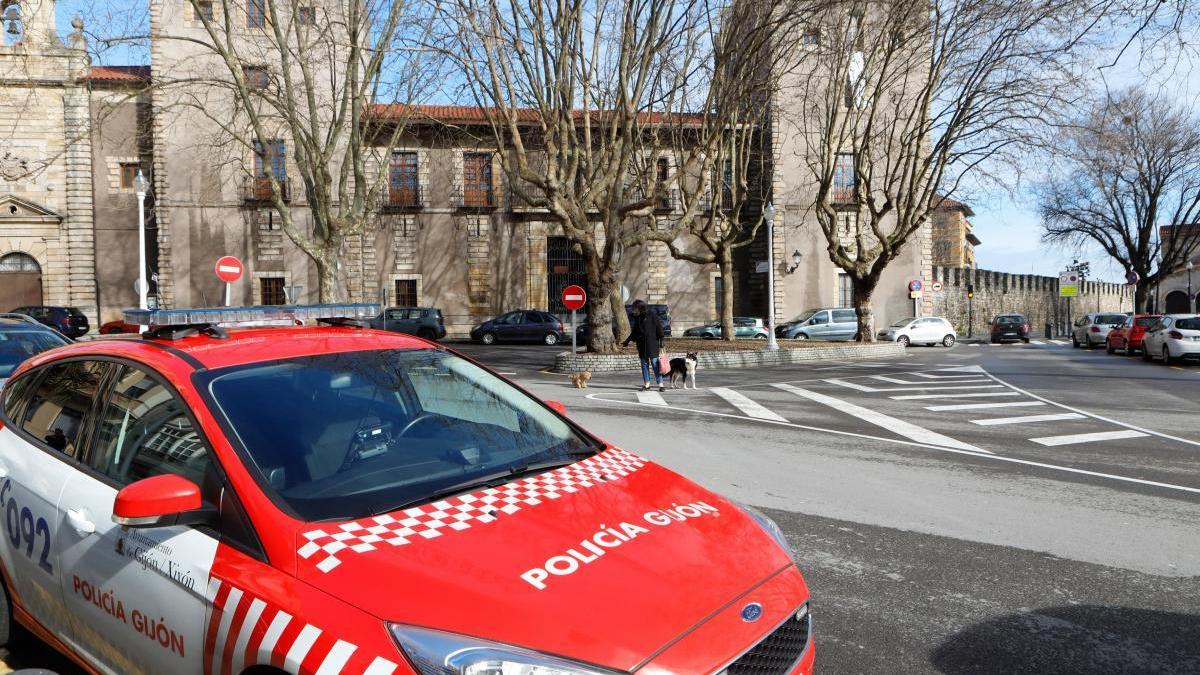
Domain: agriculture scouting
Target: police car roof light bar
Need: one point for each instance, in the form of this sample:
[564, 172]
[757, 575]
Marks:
[174, 324]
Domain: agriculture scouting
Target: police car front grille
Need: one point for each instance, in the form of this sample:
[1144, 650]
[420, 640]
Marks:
[777, 653]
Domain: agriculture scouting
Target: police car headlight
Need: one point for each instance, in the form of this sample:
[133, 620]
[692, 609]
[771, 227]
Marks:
[434, 652]
[770, 526]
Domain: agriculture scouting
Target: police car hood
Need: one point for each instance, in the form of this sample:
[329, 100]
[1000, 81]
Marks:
[604, 561]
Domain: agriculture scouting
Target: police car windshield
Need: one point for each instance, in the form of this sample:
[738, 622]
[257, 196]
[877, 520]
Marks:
[18, 345]
[346, 435]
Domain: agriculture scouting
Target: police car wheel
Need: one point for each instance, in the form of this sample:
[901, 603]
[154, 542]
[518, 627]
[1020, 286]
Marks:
[5, 616]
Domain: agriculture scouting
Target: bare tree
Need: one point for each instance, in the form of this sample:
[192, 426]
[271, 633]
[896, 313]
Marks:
[587, 100]
[306, 77]
[906, 100]
[1131, 185]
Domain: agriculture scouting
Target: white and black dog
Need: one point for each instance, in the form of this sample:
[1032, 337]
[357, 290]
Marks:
[685, 369]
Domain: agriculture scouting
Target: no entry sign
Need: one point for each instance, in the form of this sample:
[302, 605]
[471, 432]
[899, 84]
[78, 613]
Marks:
[574, 297]
[229, 269]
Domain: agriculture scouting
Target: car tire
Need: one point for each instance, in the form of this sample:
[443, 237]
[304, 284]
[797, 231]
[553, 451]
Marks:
[760, 336]
[1146, 355]
[5, 616]
[1108, 347]
[995, 341]
[1025, 340]
[550, 339]
[948, 341]
[709, 336]
[1166, 356]
[427, 334]
[488, 338]
[902, 340]
[800, 336]
[1075, 342]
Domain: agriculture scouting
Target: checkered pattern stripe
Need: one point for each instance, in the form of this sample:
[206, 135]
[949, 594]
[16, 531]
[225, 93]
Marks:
[327, 546]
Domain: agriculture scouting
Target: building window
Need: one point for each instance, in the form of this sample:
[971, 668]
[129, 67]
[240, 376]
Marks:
[662, 172]
[204, 10]
[477, 179]
[404, 183]
[845, 290]
[719, 291]
[271, 291]
[727, 184]
[257, 77]
[129, 172]
[811, 37]
[271, 153]
[306, 16]
[256, 13]
[406, 292]
[843, 178]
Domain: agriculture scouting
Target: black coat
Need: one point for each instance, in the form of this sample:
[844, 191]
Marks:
[646, 330]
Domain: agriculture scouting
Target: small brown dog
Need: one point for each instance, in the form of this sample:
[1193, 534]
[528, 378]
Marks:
[581, 379]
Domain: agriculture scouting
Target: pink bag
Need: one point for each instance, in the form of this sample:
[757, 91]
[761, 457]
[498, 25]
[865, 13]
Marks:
[664, 364]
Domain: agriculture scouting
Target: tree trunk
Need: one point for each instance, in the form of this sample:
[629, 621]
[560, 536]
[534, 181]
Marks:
[617, 305]
[726, 266]
[1140, 291]
[600, 331]
[863, 290]
[328, 289]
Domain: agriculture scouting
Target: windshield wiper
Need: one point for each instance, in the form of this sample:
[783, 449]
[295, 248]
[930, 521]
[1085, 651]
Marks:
[489, 480]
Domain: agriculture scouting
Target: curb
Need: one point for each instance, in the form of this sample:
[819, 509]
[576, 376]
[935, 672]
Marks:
[565, 362]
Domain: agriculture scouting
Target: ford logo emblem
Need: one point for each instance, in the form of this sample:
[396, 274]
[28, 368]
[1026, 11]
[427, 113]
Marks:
[752, 612]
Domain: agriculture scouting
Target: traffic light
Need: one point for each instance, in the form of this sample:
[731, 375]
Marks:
[970, 291]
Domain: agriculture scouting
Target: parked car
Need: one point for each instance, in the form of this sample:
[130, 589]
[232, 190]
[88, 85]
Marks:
[118, 327]
[1173, 336]
[928, 330]
[424, 322]
[20, 338]
[1011, 326]
[743, 327]
[67, 320]
[525, 325]
[1091, 330]
[827, 323]
[1128, 336]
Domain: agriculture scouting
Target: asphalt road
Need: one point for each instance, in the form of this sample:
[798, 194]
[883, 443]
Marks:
[1050, 527]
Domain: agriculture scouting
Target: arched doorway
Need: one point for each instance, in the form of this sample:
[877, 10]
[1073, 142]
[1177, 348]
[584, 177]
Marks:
[20, 281]
[1177, 303]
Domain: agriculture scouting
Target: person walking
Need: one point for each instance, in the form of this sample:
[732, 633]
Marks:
[646, 331]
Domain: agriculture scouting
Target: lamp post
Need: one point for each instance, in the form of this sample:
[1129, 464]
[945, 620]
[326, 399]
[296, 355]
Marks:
[140, 186]
[769, 215]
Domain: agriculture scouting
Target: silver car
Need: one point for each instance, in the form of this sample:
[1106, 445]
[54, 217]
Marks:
[1091, 330]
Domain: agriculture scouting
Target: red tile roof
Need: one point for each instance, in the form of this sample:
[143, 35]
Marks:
[119, 73]
[948, 204]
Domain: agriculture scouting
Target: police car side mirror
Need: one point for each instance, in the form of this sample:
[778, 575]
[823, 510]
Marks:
[160, 501]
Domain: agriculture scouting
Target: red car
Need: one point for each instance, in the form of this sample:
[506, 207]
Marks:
[336, 499]
[117, 327]
[1128, 336]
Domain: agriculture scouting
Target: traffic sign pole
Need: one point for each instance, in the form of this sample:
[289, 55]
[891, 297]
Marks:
[227, 293]
[574, 297]
[574, 347]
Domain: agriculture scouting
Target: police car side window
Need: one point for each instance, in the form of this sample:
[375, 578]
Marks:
[144, 431]
[57, 410]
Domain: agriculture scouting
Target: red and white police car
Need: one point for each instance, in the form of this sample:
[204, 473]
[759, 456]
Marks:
[332, 499]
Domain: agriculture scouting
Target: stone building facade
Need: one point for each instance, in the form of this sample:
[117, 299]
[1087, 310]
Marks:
[430, 243]
[953, 241]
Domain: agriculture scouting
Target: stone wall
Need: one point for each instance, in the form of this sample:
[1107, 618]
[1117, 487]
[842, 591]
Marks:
[566, 362]
[1032, 295]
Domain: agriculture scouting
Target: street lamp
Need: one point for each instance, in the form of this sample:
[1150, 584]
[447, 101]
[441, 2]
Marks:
[140, 186]
[769, 215]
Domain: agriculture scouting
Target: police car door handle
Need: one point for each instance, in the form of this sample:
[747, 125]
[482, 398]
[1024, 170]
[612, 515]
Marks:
[80, 523]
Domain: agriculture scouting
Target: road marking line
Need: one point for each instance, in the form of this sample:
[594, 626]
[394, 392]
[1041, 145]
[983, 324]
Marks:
[947, 378]
[1070, 439]
[918, 397]
[1027, 418]
[651, 398]
[906, 429]
[984, 406]
[746, 405]
[897, 441]
[923, 387]
[959, 379]
[1036, 342]
[1095, 416]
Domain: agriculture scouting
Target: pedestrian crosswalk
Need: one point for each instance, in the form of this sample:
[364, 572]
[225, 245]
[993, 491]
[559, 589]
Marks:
[937, 407]
[1055, 342]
